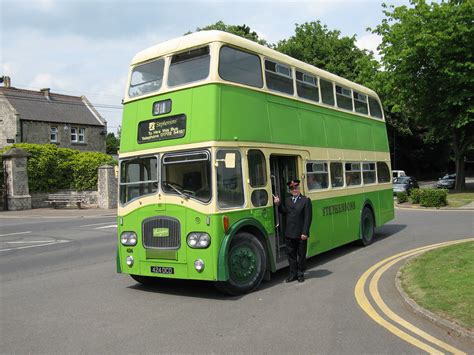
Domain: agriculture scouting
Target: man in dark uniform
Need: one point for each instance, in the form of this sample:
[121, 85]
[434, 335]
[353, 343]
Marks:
[298, 211]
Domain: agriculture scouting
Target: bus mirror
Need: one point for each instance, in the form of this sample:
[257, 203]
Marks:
[229, 160]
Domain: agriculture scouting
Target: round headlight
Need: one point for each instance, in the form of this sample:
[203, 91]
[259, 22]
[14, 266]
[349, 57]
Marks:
[199, 265]
[193, 239]
[129, 260]
[198, 240]
[128, 238]
[204, 240]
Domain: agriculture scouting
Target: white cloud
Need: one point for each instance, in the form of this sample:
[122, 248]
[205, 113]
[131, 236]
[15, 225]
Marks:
[370, 42]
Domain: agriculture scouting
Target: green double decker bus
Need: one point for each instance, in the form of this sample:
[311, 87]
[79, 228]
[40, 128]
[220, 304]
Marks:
[213, 126]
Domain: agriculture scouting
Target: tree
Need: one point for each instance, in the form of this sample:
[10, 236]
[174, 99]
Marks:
[112, 143]
[427, 52]
[315, 44]
[239, 30]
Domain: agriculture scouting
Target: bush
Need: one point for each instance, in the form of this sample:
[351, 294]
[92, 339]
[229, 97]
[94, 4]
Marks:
[415, 195]
[85, 167]
[434, 197]
[402, 197]
[51, 168]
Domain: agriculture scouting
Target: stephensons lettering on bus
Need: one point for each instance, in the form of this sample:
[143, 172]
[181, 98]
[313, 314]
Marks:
[339, 208]
[162, 128]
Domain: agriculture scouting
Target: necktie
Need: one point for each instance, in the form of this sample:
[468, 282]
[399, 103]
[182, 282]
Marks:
[294, 199]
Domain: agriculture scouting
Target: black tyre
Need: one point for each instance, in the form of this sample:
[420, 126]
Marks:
[144, 280]
[247, 262]
[367, 225]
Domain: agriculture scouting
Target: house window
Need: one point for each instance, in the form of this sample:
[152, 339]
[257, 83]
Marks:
[81, 135]
[73, 134]
[53, 138]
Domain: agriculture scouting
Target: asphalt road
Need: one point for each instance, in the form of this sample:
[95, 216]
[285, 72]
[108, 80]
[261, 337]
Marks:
[59, 293]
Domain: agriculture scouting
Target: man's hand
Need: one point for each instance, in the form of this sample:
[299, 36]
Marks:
[276, 200]
[304, 237]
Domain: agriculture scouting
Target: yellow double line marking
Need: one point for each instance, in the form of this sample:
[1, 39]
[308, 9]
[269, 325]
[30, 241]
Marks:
[364, 303]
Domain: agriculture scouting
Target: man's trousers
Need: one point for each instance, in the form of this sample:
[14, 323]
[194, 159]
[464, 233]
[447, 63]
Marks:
[296, 250]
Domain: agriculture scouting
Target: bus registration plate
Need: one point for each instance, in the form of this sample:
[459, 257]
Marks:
[162, 270]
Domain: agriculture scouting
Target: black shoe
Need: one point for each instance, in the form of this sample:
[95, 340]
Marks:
[291, 279]
[301, 279]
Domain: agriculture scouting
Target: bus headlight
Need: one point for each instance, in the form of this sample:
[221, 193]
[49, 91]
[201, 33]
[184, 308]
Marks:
[128, 238]
[198, 240]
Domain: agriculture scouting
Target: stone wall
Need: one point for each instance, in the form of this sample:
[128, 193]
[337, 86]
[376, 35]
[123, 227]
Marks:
[39, 132]
[38, 199]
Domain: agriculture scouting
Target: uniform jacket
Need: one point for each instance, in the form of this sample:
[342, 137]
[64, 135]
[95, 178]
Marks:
[298, 216]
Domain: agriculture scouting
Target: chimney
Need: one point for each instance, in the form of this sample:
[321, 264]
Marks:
[45, 92]
[6, 81]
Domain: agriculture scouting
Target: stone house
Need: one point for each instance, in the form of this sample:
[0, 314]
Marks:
[28, 116]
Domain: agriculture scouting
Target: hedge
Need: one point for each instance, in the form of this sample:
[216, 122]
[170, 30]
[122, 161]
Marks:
[51, 168]
[415, 195]
[402, 197]
[434, 197]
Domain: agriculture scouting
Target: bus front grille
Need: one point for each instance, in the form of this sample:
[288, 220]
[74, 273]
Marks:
[161, 233]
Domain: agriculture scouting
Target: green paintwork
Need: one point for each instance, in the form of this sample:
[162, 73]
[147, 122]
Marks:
[327, 232]
[243, 262]
[228, 113]
[218, 112]
[239, 224]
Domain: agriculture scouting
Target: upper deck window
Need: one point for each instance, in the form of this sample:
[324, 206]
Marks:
[279, 77]
[360, 103]
[375, 109]
[307, 86]
[344, 97]
[327, 92]
[146, 78]
[240, 67]
[189, 66]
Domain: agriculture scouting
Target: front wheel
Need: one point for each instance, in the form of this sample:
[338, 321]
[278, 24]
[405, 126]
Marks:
[367, 225]
[246, 263]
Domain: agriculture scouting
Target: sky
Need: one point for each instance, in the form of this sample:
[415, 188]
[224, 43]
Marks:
[84, 47]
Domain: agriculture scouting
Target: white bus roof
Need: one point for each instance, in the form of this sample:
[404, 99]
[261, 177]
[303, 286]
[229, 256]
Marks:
[204, 37]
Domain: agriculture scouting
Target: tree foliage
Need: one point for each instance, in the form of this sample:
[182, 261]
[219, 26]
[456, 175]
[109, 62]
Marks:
[239, 30]
[427, 53]
[315, 44]
[112, 143]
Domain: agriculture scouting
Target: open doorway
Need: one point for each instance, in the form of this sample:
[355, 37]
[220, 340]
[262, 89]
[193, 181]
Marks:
[282, 169]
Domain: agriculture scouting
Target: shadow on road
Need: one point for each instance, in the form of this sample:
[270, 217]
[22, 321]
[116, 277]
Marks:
[204, 289]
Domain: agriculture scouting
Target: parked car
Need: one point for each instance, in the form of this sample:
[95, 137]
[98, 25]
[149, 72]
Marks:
[398, 173]
[446, 182]
[404, 184]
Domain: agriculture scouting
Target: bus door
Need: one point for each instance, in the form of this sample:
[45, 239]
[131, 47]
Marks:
[282, 169]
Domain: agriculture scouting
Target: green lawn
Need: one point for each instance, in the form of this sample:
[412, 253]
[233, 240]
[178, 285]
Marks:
[460, 199]
[442, 281]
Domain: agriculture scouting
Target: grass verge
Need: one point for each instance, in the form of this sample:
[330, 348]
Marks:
[460, 199]
[442, 281]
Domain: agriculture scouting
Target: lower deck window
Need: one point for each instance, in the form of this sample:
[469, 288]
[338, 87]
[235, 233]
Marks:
[337, 175]
[187, 174]
[353, 174]
[230, 187]
[317, 175]
[138, 177]
[368, 173]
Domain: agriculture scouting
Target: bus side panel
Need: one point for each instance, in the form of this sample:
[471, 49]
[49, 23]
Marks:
[387, 210]
[379, 132]
[313, 128]
[243, 115]
[321, 233]
[284, 123]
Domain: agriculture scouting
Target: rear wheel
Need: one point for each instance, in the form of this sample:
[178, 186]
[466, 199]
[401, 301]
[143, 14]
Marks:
[246, 263]
[367, 225]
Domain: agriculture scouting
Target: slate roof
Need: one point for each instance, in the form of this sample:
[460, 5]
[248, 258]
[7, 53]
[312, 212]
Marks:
[34, 106]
